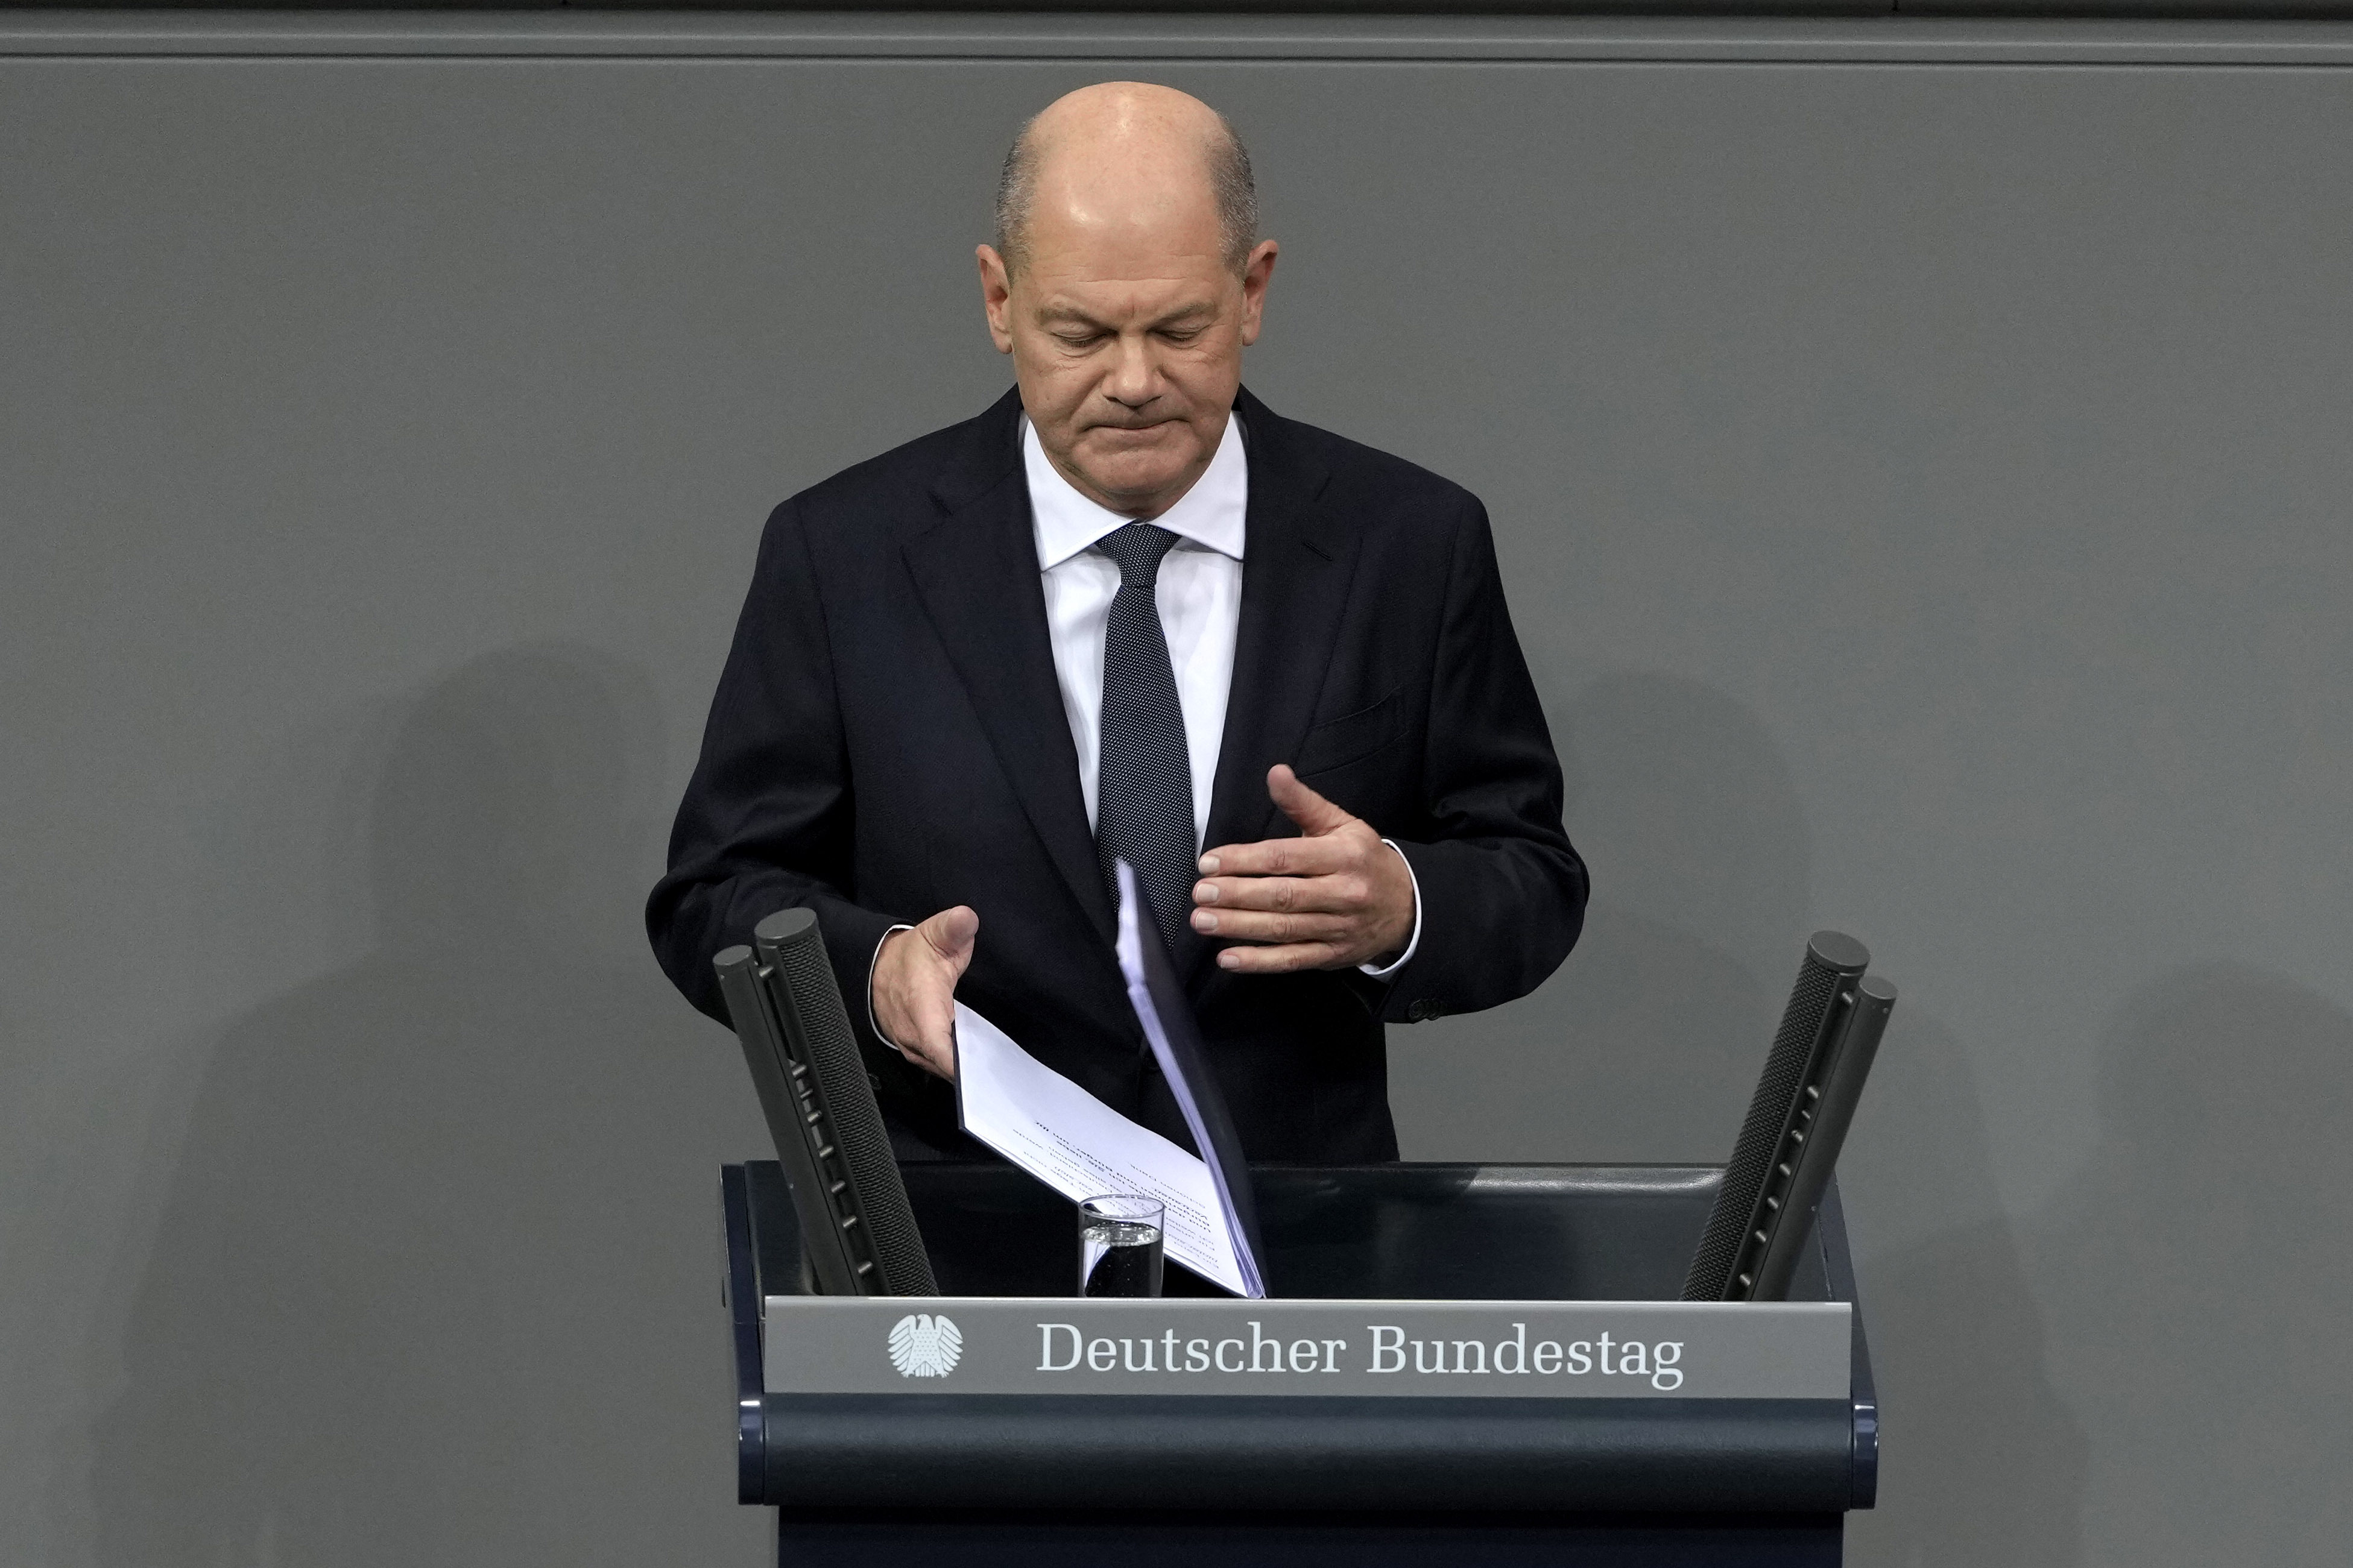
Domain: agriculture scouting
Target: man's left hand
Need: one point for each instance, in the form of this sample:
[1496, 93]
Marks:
[1333, 898]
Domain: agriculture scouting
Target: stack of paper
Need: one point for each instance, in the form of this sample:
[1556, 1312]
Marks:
[1081, 1148]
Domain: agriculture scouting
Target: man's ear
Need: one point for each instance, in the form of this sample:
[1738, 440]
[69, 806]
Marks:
[997, 297]
[1257, 273]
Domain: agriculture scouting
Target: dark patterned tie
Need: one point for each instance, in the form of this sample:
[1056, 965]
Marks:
[1144, 787]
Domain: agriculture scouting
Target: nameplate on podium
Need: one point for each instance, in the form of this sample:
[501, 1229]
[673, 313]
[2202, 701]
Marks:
[1505, 1350]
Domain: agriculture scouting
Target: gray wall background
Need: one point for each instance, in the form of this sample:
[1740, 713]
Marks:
[1918, 456]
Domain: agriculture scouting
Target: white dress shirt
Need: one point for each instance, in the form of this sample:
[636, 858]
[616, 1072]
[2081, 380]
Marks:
[1199, 596]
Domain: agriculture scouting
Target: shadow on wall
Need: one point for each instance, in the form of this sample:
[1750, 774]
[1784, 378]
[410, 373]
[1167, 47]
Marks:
[2200, 1272]
[1646, 1043]
[436, 1280]
[1681, 799]
[1982, 1463]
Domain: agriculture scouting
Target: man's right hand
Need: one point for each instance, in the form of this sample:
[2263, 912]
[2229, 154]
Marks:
[915, 977]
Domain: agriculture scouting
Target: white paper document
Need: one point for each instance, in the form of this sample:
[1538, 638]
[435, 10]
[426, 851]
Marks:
[1081, 1148]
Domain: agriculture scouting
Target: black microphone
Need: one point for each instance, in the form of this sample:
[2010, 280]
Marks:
[859, 1235]
[1797, 1119]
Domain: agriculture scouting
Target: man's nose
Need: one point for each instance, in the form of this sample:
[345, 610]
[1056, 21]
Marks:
[1135, 379]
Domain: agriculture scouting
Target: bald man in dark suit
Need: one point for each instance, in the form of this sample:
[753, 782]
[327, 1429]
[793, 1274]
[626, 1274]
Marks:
[1131, 613]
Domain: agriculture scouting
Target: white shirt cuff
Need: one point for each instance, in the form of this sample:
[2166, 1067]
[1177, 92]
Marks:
[871, 1021]
[1402, 958]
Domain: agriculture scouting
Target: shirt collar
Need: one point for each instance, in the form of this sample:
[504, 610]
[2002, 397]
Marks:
[1210, 514]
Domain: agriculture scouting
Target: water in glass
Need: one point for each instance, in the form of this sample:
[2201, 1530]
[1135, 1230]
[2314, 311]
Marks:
[1120, 1244]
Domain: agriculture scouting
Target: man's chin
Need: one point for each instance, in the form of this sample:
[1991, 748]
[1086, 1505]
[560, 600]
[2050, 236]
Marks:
[1136, 469]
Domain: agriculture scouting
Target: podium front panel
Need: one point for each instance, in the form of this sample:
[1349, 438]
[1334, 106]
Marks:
[1528, 1239]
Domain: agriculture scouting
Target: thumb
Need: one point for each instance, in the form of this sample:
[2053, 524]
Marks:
[951, 934]
[1313, 814]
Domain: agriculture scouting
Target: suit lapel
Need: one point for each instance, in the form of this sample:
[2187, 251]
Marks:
[1298, 563]
[976, 573]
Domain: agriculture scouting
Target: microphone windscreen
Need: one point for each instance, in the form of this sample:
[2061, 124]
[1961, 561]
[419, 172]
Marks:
[820, 1030]
[1832, 960]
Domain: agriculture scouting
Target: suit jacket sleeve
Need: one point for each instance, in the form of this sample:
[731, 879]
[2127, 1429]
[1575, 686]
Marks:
[1503, 893]
[768, 819]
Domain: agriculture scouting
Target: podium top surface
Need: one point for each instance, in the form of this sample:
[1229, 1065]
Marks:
[1419, 1232]
[1337, 1233]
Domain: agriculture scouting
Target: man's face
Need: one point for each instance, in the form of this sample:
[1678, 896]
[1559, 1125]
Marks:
[1126, 329]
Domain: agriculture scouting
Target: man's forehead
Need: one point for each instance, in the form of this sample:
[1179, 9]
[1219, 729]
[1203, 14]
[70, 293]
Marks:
[1112, 299]
[1128, 270]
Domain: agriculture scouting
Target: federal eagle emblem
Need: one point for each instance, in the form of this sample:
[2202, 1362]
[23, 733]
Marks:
[924, 1346]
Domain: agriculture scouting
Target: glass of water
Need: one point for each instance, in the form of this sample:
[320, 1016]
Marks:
[1119, 1246]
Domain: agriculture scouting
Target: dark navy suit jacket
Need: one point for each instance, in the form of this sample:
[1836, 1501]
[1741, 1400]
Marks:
[887, 740]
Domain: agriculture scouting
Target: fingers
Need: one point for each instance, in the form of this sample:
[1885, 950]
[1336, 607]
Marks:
[1287, 857]
[1351, 901]
[1314, 815]
[1323, 900]
[1251, 925]
[1342, 892]
[1280, 959]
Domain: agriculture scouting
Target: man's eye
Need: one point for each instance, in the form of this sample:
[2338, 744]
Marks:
[1181, 334]
[1077, 340]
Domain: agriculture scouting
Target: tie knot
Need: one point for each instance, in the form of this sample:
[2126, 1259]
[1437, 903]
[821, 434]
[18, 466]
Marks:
[1137, 548]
